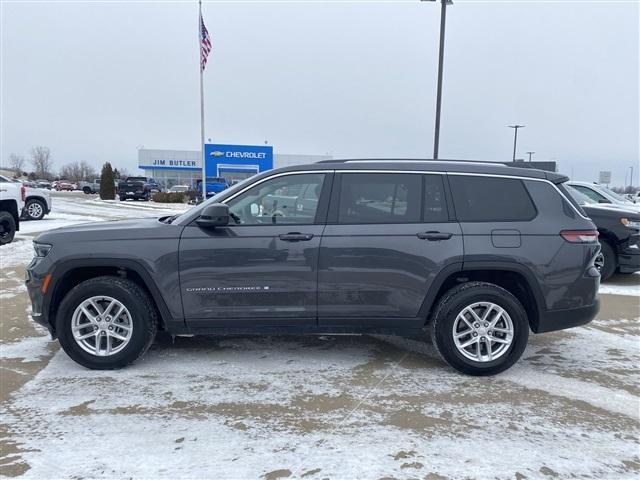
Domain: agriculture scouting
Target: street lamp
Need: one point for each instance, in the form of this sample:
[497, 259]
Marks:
[443, 17]
[530, 153]
[515, 138]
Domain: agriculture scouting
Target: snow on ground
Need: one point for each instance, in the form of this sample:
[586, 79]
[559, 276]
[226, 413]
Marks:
[322, 407]
[338, 407]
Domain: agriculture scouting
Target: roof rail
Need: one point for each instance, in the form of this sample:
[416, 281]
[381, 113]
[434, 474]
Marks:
[409, 160]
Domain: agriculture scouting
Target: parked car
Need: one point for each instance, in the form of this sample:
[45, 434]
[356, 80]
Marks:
[619, 237]
[478, 254]
[37, 202]
[90, 187]
[64, 185]
[214, 185]
[12, 196]
[179, 189]
[137, 188]
[601, 194]
[43, 184]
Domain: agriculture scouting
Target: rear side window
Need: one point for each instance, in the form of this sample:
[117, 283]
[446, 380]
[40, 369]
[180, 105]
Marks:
[435, 206]
[491, 199]
[380, 198]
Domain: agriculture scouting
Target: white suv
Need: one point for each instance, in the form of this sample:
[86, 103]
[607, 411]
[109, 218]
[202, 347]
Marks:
[37, 202]
[601, 194]
[12, 197]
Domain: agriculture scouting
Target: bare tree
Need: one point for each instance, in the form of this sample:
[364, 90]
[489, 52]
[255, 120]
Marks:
[41, 160]
[16, 162]
[77, 171]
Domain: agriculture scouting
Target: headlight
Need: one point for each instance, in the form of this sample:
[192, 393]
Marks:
[630, 223]
[41, 249]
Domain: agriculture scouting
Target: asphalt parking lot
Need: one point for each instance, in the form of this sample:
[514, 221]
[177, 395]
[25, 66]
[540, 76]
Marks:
[314, 407]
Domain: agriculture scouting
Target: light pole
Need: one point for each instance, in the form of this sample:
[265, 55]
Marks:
[515, 138]
[631, 177]
[530, 153]
[443, 18]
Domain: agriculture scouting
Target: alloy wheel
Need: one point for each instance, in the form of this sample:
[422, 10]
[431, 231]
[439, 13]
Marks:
[102, 326]
[483, 332]
[34, 210]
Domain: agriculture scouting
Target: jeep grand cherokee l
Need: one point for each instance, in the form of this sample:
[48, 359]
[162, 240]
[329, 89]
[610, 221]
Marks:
[478, 253]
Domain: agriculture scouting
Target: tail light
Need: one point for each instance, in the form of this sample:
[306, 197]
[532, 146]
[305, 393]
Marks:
[580, 236]
[23, 192]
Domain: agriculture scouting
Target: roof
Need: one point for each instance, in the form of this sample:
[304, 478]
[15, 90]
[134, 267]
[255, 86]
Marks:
[457, 166]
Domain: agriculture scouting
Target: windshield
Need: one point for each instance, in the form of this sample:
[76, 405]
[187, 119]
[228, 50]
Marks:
[615, 195]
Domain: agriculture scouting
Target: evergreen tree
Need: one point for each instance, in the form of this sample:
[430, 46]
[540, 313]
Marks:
[107, 185]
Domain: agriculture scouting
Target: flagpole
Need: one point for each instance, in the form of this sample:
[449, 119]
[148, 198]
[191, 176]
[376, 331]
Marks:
[204, 168]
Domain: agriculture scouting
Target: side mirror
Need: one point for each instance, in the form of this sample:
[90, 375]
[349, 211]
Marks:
[214, 215]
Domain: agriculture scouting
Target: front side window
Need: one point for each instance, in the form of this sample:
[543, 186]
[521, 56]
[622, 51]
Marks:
[279, 201]
[380, 198]
[592, 194]
[491, 199]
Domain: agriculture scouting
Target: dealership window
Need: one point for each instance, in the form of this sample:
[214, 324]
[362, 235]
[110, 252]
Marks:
[169, 177]
[491, 199]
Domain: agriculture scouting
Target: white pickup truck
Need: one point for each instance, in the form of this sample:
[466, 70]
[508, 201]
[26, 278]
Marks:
[12, 197]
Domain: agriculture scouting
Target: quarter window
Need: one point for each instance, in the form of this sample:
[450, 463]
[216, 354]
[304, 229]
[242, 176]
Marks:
[380, 198]
[486, 199]
[279, 201]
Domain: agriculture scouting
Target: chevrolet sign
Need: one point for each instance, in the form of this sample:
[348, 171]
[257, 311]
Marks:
[217, 153]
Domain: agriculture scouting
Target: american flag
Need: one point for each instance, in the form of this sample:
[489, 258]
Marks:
[205, 44]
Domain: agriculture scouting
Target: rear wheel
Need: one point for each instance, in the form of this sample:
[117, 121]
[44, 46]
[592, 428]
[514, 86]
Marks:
[34, 209]
[86, 190]
[106, 323]
[7, 228]
[606, 262]
[479, 328]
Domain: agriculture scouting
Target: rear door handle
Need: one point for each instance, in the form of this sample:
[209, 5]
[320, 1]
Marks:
[434, 236]
[296, 237]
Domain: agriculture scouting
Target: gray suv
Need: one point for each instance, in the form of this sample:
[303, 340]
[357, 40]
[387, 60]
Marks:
[477, 253]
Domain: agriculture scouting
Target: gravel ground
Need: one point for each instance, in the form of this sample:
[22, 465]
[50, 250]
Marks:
[313, 407]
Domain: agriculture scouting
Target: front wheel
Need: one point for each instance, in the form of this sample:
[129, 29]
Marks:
[106, 323]
[7, 228]
[479, 328]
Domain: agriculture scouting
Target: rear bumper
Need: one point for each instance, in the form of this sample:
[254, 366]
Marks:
[552, 320]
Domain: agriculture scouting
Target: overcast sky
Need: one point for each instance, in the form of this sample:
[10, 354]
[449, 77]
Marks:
[95, 80]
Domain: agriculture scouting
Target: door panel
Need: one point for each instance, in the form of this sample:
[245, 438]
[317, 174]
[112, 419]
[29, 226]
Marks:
[380, 270]
[390, 237]
[262, 269]
[249, 274]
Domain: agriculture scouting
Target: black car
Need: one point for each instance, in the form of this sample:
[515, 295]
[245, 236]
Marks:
[477, 253]
[619, 238]
[137, 188]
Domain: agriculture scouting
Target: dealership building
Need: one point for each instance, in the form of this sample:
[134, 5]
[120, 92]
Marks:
[234, 162]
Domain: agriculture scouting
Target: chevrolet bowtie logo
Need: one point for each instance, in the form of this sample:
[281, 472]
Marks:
[217, 153]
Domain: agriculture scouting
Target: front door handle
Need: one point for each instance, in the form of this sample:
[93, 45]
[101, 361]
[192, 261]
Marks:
[434, 236]
[296, 237]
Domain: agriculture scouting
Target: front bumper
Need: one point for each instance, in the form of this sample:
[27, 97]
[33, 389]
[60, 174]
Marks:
[629, 256]
[551, 320]
[34, 283]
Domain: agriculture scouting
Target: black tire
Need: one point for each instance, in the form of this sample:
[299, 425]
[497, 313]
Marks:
[86, 190]
[453, 302]
[122, 199]
[37, 210]
[7, 228]
[608, 259]
[133, 297]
